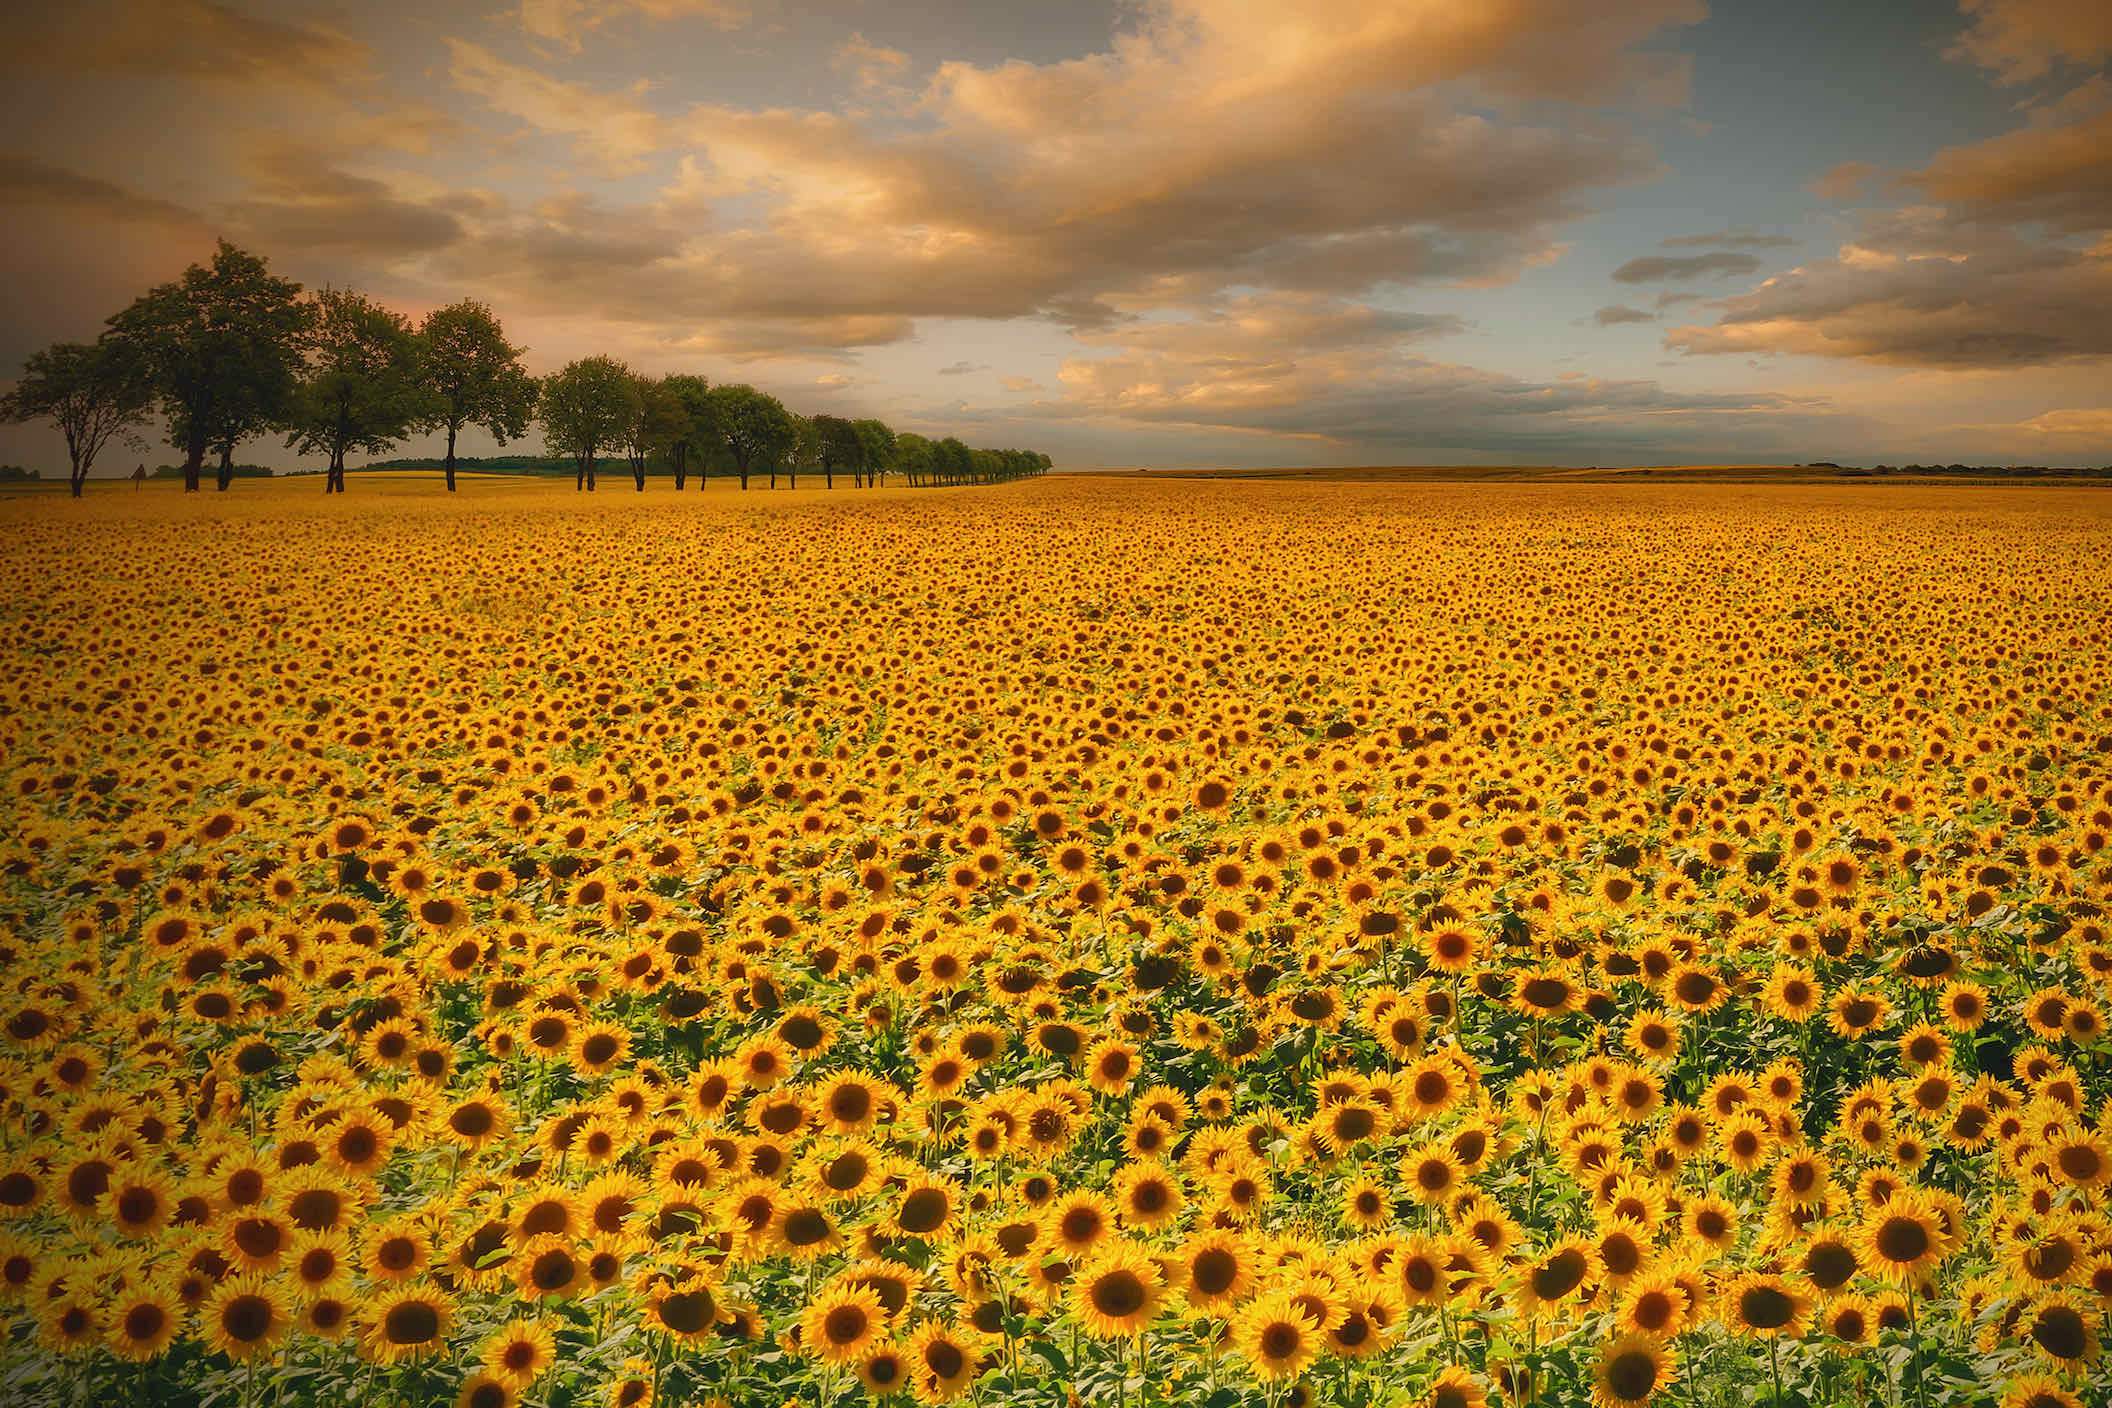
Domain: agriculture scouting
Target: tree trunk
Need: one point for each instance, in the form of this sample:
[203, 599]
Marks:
[76, 479]
[451, 459]
[590, 471]
[193, 458]
[227, 468]
[828, 477]
[681, 465]
[742, 466]
[638, 471]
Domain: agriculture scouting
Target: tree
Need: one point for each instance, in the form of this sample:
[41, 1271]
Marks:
[953, 461]
[640, 436]
[474, 376]
[93, 393]
[914, 456]
[836, 447]
[682, 425]
[802, 450]
[221, 349]
[364, 389]
[876, 448]
[587, 407]
[752, 426]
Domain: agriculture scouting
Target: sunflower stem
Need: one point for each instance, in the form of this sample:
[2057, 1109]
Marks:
[1914, 1348]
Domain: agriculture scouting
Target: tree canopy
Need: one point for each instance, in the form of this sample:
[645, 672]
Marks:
[363, 390]
[92, 393]
[474, 376]
[588, 407]
[222, 349]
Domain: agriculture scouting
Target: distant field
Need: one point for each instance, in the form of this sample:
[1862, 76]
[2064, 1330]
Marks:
[1669, 474]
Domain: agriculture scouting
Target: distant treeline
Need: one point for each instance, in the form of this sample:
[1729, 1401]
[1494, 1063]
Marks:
[230, 352]
[2010, 471]
[481, 464]
[16, 474]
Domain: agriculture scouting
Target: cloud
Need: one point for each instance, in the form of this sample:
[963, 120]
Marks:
[2059, 174]
[1987, 272]
[869, 66]
[1844, 180]
[1297, 368]
[1614, 314]
[27, 181]
[2094, 423]
[1919, 292]
[1020, 383]
[2020, 40]
[568, 22]
[197, 40]
[1656, 268]
[301, 204]
[1729, 239]
[962, 368]
[615, 128]
[1210, 147]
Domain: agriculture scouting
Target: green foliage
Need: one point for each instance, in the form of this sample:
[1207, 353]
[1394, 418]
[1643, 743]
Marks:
[221, 349]
[364, 390]
[588, 407]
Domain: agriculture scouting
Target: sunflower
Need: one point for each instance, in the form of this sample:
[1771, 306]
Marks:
[839, 1324]
[486, 1390]
[1366, 1204]
[1765, 1305]
[138, 1201]
[884, 1369]
[1432, 1174]
[1422, 1270]
[1367, 1320]
[1631, 1370]
[256, 1241]
[407, 1322]
[548, 1265]
[1902, 1238]
[1216, 1269]
[245, 1317]
[142, 1323]
[1147, 1195]
[804, 1230]
[686, 1311]
[1654, 1305]
[1276, 1335]
[2062, 1326]
[1079, 1222]
[2038, 1391]
[1711, 1221]
[1111, 1066]
[1556, 1279]
[519, 1352]
[1117, 1292]
[1454, 1387]
[359, 1144]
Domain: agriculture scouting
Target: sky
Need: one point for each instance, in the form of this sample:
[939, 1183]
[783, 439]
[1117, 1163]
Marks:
[1144, 232]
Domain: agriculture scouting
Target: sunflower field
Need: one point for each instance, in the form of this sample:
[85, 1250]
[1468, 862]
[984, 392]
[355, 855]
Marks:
[1074, 942]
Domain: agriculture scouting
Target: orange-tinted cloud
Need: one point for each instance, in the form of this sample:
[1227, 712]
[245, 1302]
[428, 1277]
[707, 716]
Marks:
[2019, 40]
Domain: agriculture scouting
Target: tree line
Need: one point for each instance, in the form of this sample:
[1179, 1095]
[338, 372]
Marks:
[229, 351]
